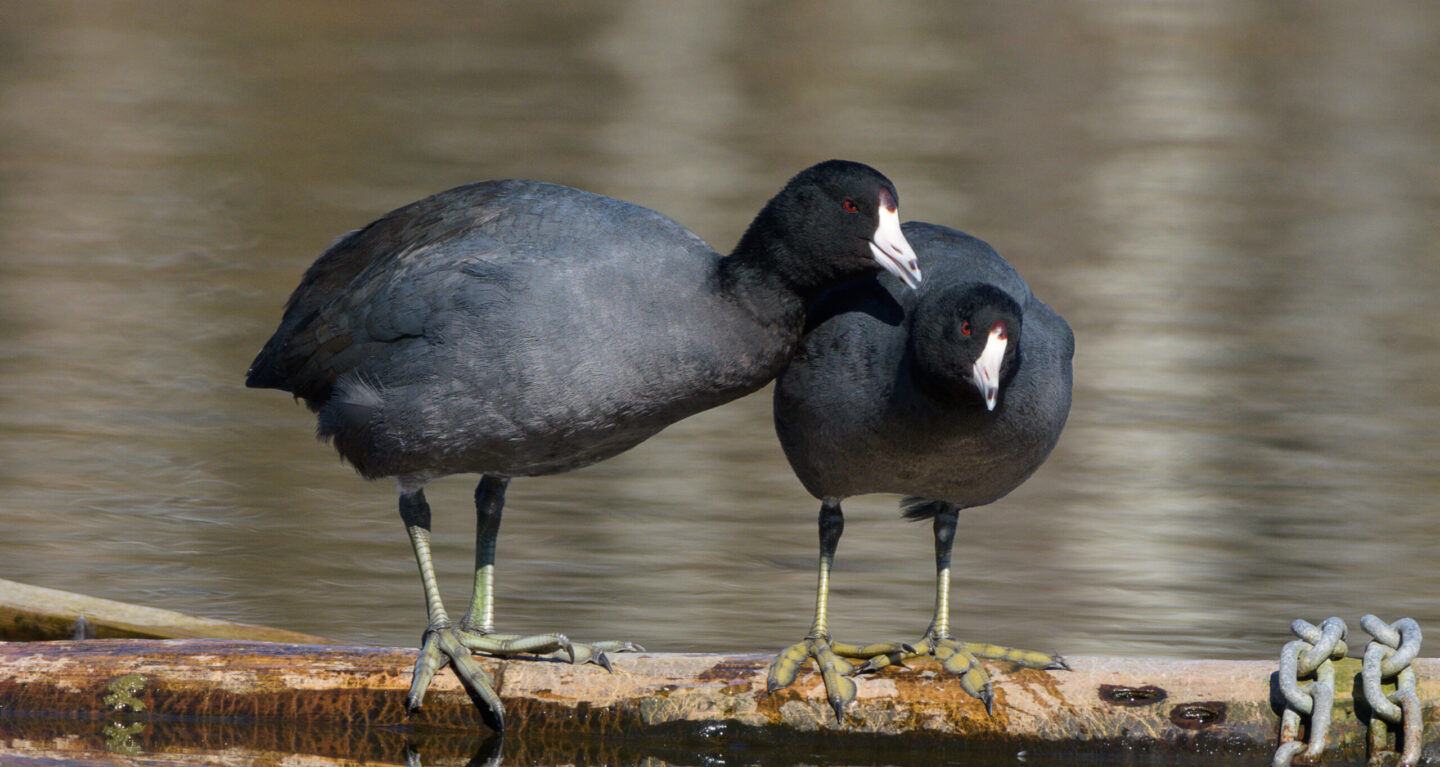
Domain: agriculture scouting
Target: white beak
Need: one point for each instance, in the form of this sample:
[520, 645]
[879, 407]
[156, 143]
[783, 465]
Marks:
[986, 372]
[892, 251]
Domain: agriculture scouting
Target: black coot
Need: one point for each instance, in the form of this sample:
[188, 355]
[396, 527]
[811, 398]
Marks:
[953, 395]
[516, 328]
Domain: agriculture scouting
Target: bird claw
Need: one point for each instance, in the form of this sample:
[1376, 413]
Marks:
[877, 662]
[1023, 658]
[448, 645]
[833, 660]
[505, 645]
[840, 689]
[835, 671]
[787, 666]
[957, 659]
[444, 645]
[583, 653]
[430, 661]
[613, 645]
[962, 659]
[596, 652]
[549, 645]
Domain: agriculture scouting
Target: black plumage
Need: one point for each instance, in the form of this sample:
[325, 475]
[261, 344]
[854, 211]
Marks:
[517, 328]
[952, 395]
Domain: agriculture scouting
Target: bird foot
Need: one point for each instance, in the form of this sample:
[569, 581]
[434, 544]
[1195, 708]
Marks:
[449, 645]
[444, 645]
[834, 670]
[547, 645]
[595, 652]
[962, 659]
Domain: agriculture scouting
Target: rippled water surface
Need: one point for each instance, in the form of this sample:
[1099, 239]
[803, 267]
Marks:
[1235, 204]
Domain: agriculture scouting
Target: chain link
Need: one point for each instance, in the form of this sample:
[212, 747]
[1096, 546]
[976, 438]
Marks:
[1388, 656]
[1313, 653]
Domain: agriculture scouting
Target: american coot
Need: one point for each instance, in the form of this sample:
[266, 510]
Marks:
[516, 328]
[953, 394]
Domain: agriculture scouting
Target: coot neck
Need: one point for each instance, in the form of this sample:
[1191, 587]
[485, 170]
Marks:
[761, 274]
[938, 388]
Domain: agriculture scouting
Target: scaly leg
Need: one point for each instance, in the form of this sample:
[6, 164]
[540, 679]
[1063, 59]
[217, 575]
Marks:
[477, 628]
[449, 644]
[834, 670]
[954, 656]
[441, 645]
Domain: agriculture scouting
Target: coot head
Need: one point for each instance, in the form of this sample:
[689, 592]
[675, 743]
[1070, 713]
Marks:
[837, 220]
[966, 342]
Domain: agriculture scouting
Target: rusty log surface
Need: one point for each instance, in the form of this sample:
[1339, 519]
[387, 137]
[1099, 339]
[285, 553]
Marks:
[34, 613]
[1189, 705]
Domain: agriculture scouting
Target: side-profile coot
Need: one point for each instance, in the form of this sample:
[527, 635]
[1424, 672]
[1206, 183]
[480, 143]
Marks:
[953, 395]
[516, 328]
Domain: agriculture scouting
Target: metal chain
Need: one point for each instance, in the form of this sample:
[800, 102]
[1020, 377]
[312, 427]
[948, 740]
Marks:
[1388, 656]
[1313, 653]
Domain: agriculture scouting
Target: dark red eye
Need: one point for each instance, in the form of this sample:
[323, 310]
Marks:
[850, 206]
[965, 328]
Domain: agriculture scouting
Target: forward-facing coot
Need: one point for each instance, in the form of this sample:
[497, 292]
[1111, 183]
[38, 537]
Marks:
[953, 395]
[516, 328]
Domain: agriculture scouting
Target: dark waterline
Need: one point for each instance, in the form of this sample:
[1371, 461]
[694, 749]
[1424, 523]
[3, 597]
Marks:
[243, 741]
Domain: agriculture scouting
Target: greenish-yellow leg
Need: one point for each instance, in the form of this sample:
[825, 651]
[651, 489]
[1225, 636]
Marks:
[441, 645]
[446, 643]
[478, 625]
[834, 670]
[957, 657]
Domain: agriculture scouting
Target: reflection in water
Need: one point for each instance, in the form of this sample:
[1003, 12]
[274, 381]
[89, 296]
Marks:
[68, 741]
[1162, 202]
[1234, 205]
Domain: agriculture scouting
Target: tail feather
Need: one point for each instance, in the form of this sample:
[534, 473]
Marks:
[264, 373]
[916, 507]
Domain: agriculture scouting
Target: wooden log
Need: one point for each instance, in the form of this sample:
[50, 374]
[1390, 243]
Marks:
[1102, 703]
[33, 613]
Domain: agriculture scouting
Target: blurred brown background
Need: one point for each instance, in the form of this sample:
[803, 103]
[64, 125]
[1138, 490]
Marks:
[1236, 205]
